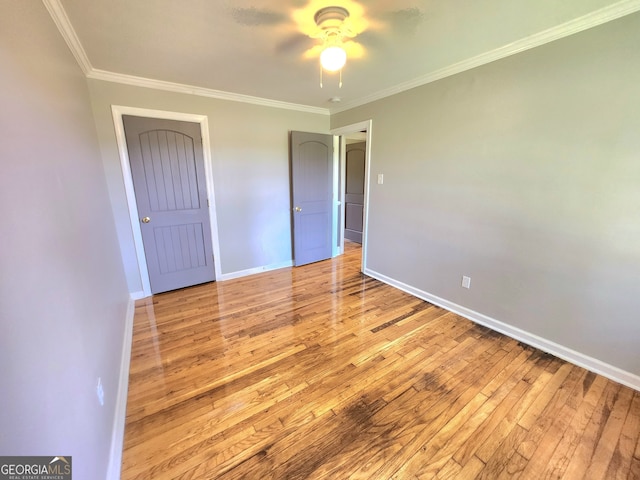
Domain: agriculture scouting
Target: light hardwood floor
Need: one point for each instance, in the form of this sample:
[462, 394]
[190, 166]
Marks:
[321, 372]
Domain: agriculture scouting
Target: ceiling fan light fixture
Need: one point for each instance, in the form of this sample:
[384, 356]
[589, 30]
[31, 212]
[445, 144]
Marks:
[332, 30]
[333, 58]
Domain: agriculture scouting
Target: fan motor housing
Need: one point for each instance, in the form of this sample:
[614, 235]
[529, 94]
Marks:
[330, 17]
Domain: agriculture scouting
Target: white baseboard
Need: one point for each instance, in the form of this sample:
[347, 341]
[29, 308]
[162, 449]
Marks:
[594, 365]
[137, 295]
[253, 271]
[230, 276]
[117, 435]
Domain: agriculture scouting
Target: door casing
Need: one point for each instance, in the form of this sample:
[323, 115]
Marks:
[117, 112]
[367, 126]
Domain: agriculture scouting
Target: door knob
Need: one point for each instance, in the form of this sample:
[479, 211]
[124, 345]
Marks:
[298, 209]
[146, 220]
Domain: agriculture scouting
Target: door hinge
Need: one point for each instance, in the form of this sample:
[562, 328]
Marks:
[208, 203]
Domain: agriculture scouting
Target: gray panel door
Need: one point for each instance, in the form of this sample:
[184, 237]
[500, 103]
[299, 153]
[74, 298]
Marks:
[167, 167]
[312, 191]
[354, 192]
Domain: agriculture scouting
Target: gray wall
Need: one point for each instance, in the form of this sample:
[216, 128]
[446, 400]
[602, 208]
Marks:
[523, 174]
[250, 156]
[63, 294]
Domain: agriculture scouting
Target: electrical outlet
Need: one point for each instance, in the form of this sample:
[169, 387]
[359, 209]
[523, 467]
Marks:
[380, 179]
[466, 282]
[100, 392]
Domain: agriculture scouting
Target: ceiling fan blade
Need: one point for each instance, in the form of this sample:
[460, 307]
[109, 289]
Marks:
[354, 49]
[372, 39]
[314, 52]
[253, 16]
[404, 22]
[295, 43]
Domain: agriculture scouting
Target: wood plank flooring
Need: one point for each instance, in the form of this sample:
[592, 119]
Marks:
[320, 372]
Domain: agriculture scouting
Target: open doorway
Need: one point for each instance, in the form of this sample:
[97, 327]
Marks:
[352, 215]
[355, 155]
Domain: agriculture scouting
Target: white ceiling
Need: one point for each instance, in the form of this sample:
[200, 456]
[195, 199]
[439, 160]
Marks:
[254, 47]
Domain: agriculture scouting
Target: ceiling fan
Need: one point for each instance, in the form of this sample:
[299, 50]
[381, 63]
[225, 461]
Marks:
[332, 27]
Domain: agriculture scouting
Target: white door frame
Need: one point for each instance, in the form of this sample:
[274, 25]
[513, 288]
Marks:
[342, 131]
[118, 111]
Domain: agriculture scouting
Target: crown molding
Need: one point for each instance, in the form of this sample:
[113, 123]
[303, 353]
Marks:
[67, 31]
[200, 91]
[60, 18]
[593, 19]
